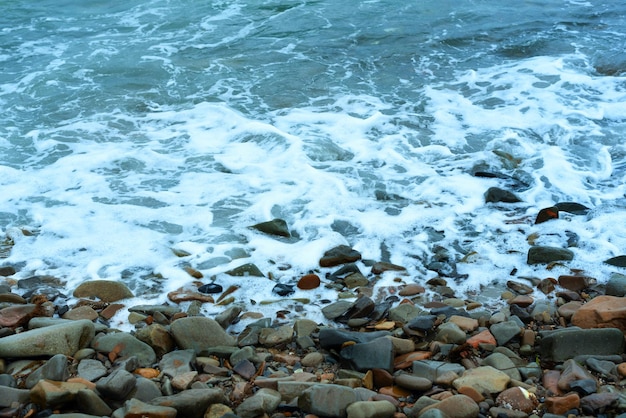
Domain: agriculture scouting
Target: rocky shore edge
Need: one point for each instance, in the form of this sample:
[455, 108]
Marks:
[396, 357]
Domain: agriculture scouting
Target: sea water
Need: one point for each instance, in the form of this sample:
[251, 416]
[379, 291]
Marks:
[140, 137]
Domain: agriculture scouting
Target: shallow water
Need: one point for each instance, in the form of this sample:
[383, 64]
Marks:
[131, 129]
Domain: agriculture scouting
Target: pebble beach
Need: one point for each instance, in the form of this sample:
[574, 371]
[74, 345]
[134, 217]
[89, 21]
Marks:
[407, 349]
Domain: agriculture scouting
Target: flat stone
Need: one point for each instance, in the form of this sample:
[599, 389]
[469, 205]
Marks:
[335, 338]
[457, 406]
[51, 394]
[125, 345]
[157, 337]
[81, 312]
[105, 290]
[341, 254]
[371, 409]
[376, 354]
[191, 403]
[89, 402]
[505, 331]
[450, 333]
[199, 333]
[117, 385]
[245, 270]
[602, 312]
[503, 363]
[560, 405]
[496, 195]
[177, 362]
[271, 337]
[485, 379]
[616, 285]
[413, 382]
[327, 400]
[53, 369]
[574, 283]
[137, 408]
[9, 395]
[571, 372]
[567, 343]
[517, 398]
[63, 338]
[545, 255]
[264, 401]
[432, 369]
[276, 227]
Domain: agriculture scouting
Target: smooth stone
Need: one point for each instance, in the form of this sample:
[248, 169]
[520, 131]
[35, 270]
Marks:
[485, 379]
[616, 285]
[422, 323]
[328, 400]
[465, 323]
[561, 404]
[105, 290]
[158, 337]
[245, 270]
[51, 394]
[166, 310]
[457, 406]
[10, 395]
[341, 254]
[402, 345]
[602, 312]
[503, 363]
[496, 195]
[571, 372]
[270, 337]
[62, 338]
[584, 387]
[546, 255]
[53, 369]
[568, 309]
[304, 327]
[125, 345]
[137, 408]
[18, 315]
[276, 227]
[145, 389]
[450, 332]
[604, 367]
[376, 354]
[210, 288]
[177, 362]
[355, 280]
[567, 343]
[191, 403]
[505, 331]
[264, 401]
[575, 283]
[330, 338]
[432, 369]
[200, 334]
[309, 281]
[411, 289]
[312, 359]
[336, 309]
[116, 385]
[413, 382]
[371, 409]
[89, 402]
[599, 401]
[404, 313]
[517, 398]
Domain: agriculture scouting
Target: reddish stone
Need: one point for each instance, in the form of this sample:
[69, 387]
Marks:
[111, 310]
[560, 405]
[472, 393]
[522, 301]
[411, 289]
[551, 381]
[546, 214]
[602, 312]
[181, 295]
[16, 316]
[483, 337]
[517, 398]
[381, 378]
[406, 360]
[575, 283]
[394, 391]
[309, 281]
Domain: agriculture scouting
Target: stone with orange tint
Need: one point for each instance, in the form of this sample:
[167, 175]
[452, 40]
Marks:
[483, 337]
[309, 281]
[406, 360]
[602, 312]
[560, 405]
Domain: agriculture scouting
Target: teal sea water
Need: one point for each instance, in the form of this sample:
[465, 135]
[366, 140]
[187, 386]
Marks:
[133, 128]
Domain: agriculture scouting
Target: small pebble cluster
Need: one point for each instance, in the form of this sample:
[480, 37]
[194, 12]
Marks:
[561, 355]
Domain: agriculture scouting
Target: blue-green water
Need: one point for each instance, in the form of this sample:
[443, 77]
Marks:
[133, 128]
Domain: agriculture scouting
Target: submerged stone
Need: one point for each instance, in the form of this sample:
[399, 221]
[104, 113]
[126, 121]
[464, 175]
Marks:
[276, 227]
[495, 195]
[245, 270]
[545, 255]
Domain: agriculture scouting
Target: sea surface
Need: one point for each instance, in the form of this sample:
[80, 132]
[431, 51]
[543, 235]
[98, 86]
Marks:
[141, 137]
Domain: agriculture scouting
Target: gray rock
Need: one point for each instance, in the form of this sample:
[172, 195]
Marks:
[503, 363]
[91, 370]
[244, 353]
[450, 333]
[496, 194]
[153, 309]
[53, 369]
[335, 338]
[289, 389]
[413, 382]
[271, 337]
[199, 333]
[136, 408]
[228, 315]
[191, 403]
[177, 362]
[63, 338]
[264, 401]
[616, 286]
[90, 403]
[9, 395]
[371, 409]
[431, 369]
[117, 385]
[404, 313]
[376, 354]
[125, 345]
[336, 309]
[245, 270]
[145, 390]
[276, 227]
[503, 332]
[544, 255]
[327, 400]
[604, 367]
[567, 343]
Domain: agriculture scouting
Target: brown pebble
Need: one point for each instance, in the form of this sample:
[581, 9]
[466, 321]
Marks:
[309, 281]
[517, 398]
[381, 378]
[472, 393]
[110, 311]
[411, 289]
[394, 391]
[560, 405]
[621, 369]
